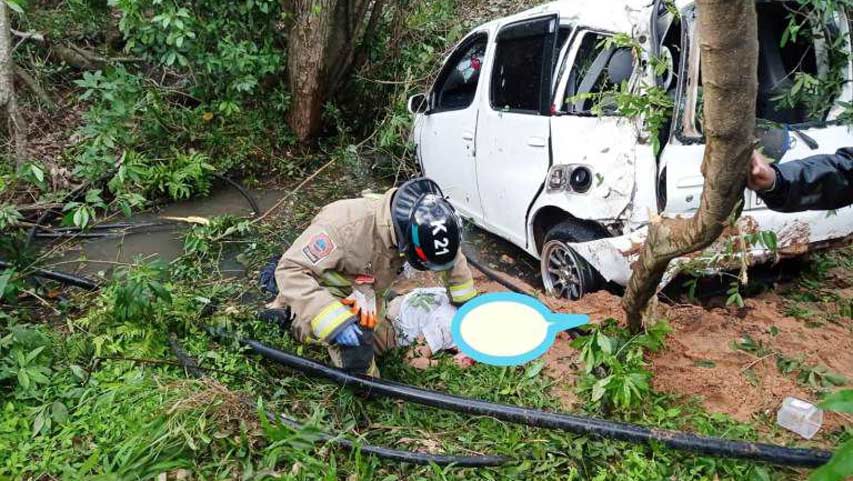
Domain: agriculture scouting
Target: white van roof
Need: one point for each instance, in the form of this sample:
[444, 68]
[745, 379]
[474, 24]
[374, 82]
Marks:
[610, 15]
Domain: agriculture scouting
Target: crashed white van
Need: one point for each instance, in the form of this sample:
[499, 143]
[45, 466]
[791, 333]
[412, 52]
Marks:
[510, 132]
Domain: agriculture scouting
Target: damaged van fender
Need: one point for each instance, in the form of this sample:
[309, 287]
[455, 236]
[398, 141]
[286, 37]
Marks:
[794, 235]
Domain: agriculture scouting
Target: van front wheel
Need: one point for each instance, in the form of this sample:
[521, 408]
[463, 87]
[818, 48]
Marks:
[565, 274]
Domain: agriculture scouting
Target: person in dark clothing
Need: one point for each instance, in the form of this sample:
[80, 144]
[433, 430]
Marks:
[820, 182]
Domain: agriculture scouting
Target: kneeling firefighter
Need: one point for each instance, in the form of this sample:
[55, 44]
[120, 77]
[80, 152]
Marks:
[336, 273]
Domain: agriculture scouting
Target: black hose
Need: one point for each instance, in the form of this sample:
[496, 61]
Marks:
[61, 277]
[493, 275]
[531, 417]
[192, 368]
[256, 209]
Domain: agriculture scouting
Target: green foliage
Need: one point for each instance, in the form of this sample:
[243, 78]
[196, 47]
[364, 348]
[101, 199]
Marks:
[200, 239]
[229, 46]
[9, 216]
[840, 401]
[812, 20]
[137, 293]
[815, 376]
[23, 359]
[840, 467]
[617, 362]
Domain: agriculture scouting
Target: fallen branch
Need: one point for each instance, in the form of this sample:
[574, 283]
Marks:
[34, 87]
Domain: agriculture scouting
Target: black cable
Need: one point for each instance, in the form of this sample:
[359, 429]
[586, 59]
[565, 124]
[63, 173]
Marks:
[531, 417]
[493, 275]
[61, 277]
[256, 209]
[192, 368]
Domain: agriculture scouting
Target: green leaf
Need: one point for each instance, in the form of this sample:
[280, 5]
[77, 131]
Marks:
[78, 371]
[13, 4]
[841, 401]
[599, 388]
[605, 343]
[4, 280]
[24, 379]
[759, 474]
[534, 369]
[37, 172]
[34, 353]
[38, 423]
[59, 412]
[81, 217]
[839, 467]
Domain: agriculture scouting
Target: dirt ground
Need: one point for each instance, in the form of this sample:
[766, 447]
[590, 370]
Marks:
[700, 357]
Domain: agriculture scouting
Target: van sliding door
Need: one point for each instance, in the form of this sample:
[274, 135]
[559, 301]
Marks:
[514, 124]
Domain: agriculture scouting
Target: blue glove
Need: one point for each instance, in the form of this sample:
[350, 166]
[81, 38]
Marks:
[348, 336]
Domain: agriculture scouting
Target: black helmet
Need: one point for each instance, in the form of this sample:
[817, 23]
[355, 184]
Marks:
[427, 227]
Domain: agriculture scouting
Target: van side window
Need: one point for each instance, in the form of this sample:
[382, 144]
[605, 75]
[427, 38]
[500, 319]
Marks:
[517, 74]
[599, 69]
[457, 84]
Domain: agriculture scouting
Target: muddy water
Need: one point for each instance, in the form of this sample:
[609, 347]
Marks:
[97, 256]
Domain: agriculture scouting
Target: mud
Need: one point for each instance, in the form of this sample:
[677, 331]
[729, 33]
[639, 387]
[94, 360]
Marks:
[700, 359]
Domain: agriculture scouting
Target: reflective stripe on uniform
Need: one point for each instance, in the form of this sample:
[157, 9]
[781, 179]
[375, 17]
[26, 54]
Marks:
[329, 319]
[462, 292]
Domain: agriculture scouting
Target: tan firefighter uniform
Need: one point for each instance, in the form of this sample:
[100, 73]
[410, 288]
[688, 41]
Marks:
[348, 242]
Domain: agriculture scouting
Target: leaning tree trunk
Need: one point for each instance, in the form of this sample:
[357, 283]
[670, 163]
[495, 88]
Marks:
[729, 46]
[8, 102]
[322, 45]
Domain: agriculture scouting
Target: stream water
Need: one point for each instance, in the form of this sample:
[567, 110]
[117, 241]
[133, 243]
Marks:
[99, 255]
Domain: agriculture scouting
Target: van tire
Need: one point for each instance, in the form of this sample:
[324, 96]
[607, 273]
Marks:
[565, 273]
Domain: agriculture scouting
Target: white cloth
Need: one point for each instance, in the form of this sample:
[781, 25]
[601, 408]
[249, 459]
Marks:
[427, 313]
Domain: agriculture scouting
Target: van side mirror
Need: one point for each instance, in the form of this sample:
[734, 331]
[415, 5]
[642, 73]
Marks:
[418, 104]
[621, 65]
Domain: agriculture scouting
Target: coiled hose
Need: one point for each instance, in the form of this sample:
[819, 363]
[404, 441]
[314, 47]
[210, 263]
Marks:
[769, 453]
[191, 366]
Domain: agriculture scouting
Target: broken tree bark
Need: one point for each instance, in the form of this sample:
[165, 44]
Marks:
[8, 102]
[322, 44]
[729, 47]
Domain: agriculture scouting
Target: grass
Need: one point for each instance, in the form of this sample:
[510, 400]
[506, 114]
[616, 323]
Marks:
[118, 419]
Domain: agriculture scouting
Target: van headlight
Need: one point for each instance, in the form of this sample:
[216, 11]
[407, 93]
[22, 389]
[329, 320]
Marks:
[569, 178]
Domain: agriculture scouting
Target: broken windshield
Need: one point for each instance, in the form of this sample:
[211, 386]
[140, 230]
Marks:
[802, 67]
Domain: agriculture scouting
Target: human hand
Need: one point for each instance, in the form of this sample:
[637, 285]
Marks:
[761, 176]
[365, 317]
[348, 336]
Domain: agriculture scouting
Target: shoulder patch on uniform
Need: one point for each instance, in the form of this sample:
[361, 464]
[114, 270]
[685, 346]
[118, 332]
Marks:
[319, 247]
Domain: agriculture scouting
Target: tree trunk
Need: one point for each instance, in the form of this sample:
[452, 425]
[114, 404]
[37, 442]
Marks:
[8, 102]
[729, 47]
[322, 43]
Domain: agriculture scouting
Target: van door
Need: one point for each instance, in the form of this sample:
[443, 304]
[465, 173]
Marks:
[589, 130]
[513, 151]
[446, 143]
